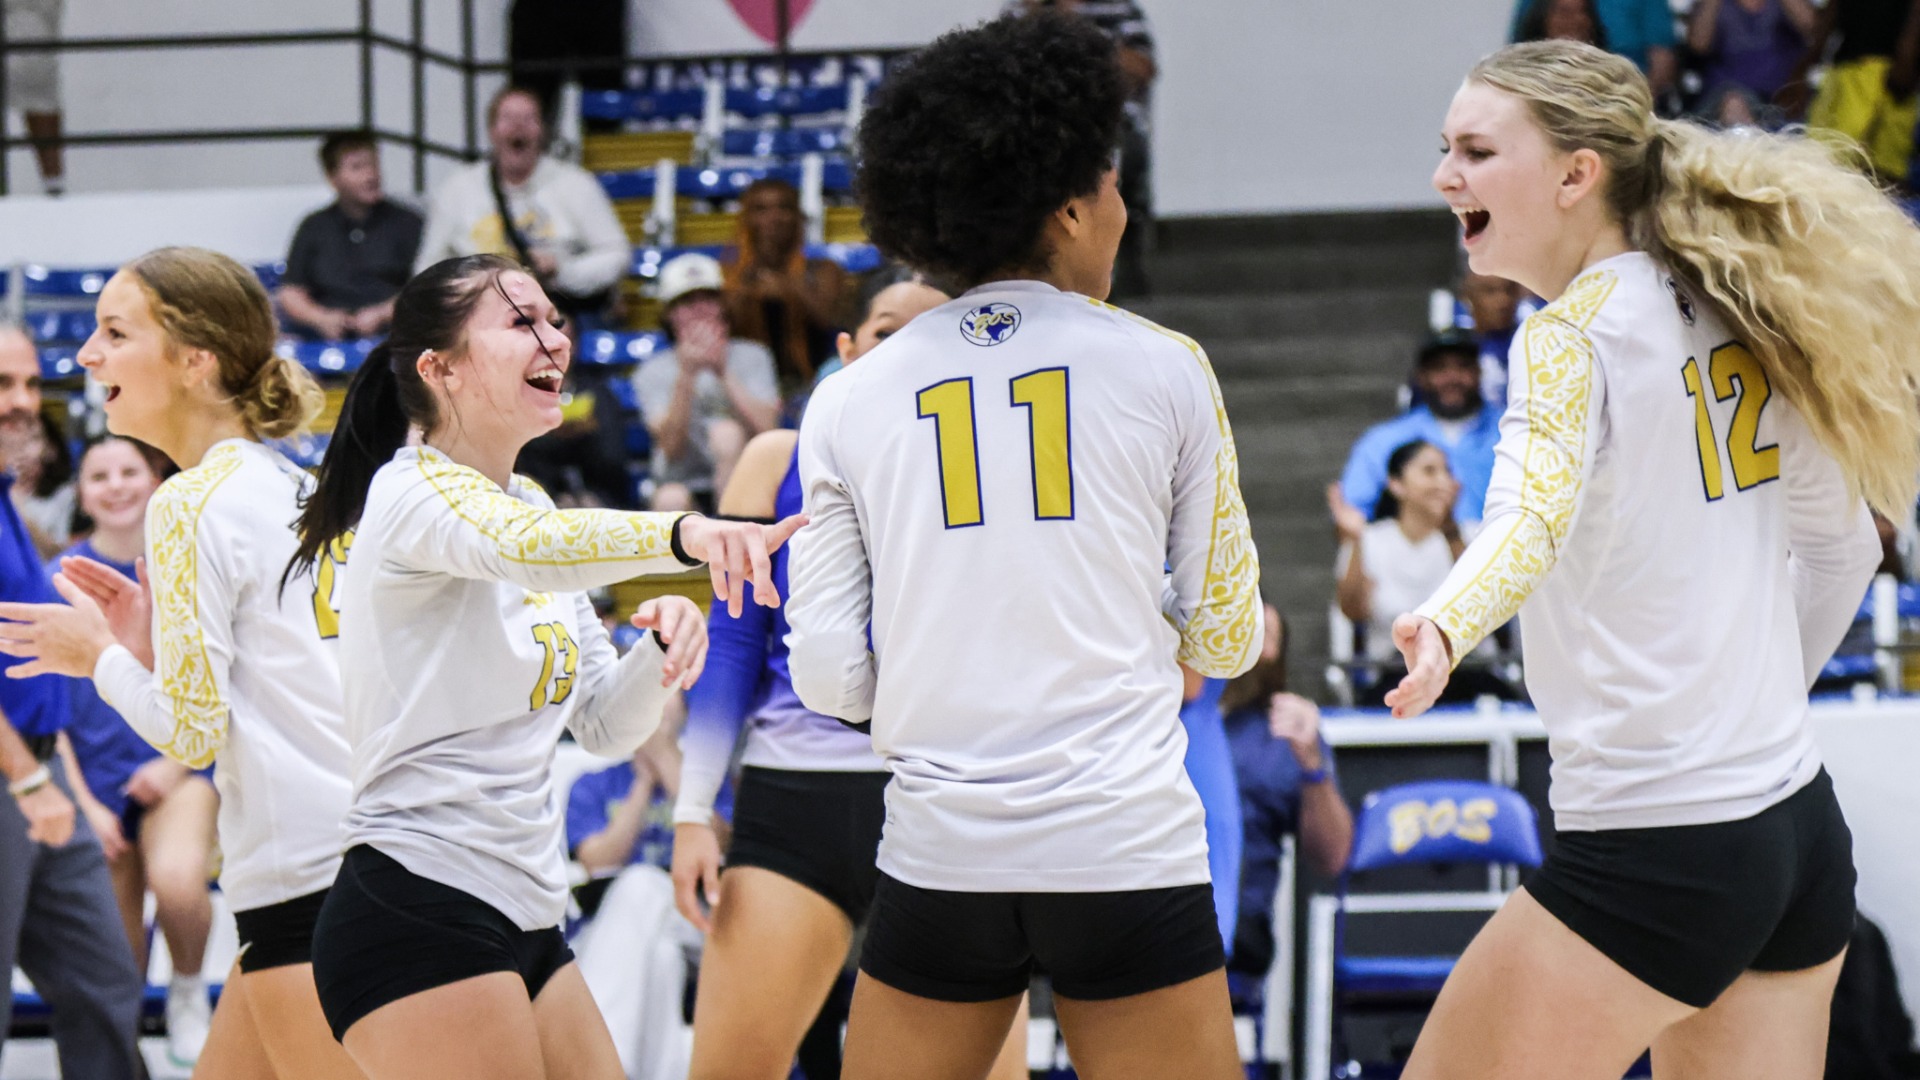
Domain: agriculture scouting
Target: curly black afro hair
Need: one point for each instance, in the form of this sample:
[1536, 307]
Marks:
[968, 149]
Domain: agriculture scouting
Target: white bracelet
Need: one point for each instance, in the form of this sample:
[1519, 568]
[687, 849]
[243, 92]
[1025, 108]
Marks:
[30, 783]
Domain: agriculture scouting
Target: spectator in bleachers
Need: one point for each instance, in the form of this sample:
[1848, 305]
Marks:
[154, 816]
[1452, 414]
[551, 215]
[1747, 51]
[33, 85]
[43, 486]
[58, 920]
[1493, 305]
[1126, 24]
[1288, 787]
[1562, 20]
[1390, 564]
[1640, 30]
[706, 396]
[632, 951]
[348, 259]
[1868, 92]
[793, 305]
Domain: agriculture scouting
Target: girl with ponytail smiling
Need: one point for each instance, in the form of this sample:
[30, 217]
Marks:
[221, 661]
[1722, 383]
[467, 647]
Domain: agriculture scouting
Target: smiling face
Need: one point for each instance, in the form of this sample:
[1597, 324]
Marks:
[128, 355]
[1502, 179]
[115, 484]
[517, 132]
[502, 383]
[1425, 484]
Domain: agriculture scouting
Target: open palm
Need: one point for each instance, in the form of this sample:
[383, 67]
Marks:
[126, 603]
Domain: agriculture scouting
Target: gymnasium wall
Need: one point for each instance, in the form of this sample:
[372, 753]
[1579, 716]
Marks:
[1264, 106]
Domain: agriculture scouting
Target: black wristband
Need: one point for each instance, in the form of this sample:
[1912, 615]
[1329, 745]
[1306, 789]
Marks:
[679, 551]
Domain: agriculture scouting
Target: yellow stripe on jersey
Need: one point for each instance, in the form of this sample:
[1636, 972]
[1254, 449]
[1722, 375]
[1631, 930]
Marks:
[185, 671]
[532, 536]
[1560, 363]
[1225, 628]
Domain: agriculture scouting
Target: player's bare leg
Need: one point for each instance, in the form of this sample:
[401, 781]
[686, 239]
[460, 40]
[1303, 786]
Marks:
[894, 1035]
[1181, 1030]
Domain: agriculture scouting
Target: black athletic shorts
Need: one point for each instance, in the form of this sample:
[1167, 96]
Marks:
[278, 935]
[388, 933]
[1686, 909]
[820, 829]
[962, 946]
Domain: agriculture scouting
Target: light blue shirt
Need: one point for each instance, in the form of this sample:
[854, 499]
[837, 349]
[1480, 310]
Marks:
[1470, 456]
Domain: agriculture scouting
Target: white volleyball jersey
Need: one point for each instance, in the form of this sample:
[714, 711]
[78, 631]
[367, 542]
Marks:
[467, 647]
[245, 674]
[1000, 489]
[1686, 552]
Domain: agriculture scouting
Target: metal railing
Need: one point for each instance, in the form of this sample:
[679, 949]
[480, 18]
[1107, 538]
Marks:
[640, 70]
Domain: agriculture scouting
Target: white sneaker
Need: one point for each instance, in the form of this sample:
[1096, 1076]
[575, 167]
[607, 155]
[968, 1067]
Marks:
[189, 1015]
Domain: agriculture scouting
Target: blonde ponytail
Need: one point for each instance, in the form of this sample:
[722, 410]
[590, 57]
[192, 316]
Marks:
[1814, 269]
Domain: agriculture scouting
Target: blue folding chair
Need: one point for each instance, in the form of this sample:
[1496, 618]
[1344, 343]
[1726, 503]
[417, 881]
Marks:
[1423, 824]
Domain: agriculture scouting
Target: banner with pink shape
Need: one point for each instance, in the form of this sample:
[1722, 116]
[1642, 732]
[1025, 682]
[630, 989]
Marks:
[763, 16]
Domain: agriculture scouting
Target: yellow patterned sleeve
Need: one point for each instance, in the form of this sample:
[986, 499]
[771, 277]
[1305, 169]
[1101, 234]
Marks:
[468, 527]
[1541, 465]
[191, 724]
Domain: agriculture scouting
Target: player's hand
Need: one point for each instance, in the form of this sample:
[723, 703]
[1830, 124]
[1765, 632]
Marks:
[683, 627]
[55, 639]
[696, 871]
[106, 825]
[125, 602]
[737, 553]
[49, 815]
[1429, 664]
[156, 780]
[1297, 720]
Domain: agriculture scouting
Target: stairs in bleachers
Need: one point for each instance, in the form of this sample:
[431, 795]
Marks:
[1311, 323]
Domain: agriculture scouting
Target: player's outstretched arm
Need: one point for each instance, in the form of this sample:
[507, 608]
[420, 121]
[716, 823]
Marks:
[831, 578]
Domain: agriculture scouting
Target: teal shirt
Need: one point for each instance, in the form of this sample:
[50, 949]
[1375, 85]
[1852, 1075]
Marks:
[1633, 26]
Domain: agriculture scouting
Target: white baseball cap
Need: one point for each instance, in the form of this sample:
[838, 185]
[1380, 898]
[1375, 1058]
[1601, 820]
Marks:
[692, 272]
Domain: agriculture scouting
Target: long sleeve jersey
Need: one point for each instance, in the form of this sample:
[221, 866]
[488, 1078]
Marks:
[747, 684]
[467, 647]
[1000, 489]
[245, 674]
[1682, 552]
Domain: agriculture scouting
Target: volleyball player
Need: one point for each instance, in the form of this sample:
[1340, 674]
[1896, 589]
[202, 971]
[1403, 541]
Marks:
[1031, 461]
[799, 871]
[230, 668]
[469, 646]
[1724, 369]
[154, 816]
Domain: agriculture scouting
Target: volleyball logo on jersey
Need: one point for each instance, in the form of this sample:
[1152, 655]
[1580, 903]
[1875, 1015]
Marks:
[990, 324]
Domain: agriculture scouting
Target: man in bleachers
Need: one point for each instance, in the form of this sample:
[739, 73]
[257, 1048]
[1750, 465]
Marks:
[348, 259]
[1284, 769]
[58, 919]
[1126, 24]
[706, 396]
[632, 949]
[1493, 304]
[1451, 413]
[551, 215]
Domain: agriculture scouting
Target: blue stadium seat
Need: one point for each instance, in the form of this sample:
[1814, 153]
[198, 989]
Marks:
[613, 349]
[56, 326]
[643, 104]
[1421, 824]
[304, 450]
[793, 142]
[853, 258]
[629, 184]
[270, 273]
[721, 182]
[787, 100]
[328, 357]
[59, 362]
[48, 282]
